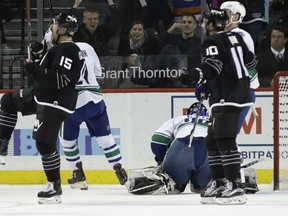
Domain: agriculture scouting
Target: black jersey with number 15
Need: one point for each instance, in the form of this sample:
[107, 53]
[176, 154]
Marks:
[57, 76]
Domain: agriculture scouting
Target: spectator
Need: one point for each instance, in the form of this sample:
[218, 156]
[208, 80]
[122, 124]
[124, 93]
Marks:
[275, 58]
[278, 13]
[187, 42]
[134, 48]
[97, 35]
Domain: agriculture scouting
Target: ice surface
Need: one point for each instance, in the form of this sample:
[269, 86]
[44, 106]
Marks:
[115, 200]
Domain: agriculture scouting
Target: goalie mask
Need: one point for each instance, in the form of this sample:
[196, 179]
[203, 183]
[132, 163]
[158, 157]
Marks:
[194, 108]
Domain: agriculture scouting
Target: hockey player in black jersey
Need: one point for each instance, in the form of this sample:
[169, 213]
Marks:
[55, 94]
[54, 91]
[225, 63]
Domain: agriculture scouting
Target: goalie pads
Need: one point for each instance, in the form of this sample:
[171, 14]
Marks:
[150, 181]
[251, 185]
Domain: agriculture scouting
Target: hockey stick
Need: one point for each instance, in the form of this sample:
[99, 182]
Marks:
[51, 8]
[252, 163]
[202, 96]
[29, 58]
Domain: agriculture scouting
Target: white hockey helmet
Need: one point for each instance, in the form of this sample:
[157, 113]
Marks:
[235, 7]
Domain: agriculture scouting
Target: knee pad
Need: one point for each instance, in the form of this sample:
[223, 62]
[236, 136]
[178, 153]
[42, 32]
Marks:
[105, 141]
[7, 104]
[67, 143]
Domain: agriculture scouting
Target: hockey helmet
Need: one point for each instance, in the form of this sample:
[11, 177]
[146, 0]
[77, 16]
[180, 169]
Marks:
[194, 108]
[219, 18]
[65, 20]
[234, 7]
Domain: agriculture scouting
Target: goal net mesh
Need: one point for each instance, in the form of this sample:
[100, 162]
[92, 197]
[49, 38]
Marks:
[281, 131]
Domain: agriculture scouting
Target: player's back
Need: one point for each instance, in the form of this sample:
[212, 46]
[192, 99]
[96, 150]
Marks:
[228, 55]
[92, 68]
[88, 86]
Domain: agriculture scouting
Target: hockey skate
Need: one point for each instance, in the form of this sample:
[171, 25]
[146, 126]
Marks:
[234, 194]
[51, 193]
[120, 173]
[3, 150]
[213, 190]
[78, 179]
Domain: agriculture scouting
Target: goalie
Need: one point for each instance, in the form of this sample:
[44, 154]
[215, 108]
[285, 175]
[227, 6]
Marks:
[180, 163]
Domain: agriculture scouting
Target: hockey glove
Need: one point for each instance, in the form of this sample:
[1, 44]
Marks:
[38, 49]
[202, 91]
[189, 77]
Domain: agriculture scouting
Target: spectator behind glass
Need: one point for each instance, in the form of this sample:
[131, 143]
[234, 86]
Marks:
[97, 35]
[275, 58]
[134, 48]
[187, 42]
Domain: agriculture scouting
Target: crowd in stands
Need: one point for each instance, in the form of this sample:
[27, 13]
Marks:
[144, 43]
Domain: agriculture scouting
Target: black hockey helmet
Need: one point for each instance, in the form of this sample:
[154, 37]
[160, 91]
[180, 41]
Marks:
[219, 18]
[65, 20]
[194, 108]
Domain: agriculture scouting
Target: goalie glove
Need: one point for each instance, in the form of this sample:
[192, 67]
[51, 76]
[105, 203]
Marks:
[188, 77]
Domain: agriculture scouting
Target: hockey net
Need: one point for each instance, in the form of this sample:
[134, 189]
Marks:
[280, 114]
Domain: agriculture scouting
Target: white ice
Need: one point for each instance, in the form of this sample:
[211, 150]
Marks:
[114, 200]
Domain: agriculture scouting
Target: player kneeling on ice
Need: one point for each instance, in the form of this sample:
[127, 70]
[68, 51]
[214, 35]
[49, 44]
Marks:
[179, 160]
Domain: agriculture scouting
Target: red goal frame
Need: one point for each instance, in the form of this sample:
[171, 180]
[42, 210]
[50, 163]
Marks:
[276, 94]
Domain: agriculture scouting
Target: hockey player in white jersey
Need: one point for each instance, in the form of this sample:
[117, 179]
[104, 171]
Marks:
[179, 161]
[91, 109]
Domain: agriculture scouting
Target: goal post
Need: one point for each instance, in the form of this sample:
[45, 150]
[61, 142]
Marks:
[280, 118]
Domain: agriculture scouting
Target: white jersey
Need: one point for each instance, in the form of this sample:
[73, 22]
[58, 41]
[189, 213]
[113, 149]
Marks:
[254, 81]
[88, 86]
[180, 127]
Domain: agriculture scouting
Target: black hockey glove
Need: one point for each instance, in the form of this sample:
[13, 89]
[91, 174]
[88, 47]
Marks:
[38, 49]
[189, 77]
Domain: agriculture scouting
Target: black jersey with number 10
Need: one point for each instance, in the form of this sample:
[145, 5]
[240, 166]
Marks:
[227, 59]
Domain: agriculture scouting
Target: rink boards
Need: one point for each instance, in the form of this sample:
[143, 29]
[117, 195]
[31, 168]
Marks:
[133, 118]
